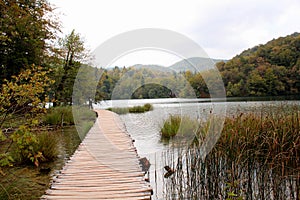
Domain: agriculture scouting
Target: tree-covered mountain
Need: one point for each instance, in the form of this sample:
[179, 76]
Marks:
[271, 69]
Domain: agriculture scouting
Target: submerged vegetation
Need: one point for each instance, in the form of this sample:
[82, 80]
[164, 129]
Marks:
[135, 109]
[256, 157]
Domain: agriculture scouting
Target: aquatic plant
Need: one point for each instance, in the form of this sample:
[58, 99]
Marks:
[135, 109]
[256, 157]
[179, 126]
[171, 126]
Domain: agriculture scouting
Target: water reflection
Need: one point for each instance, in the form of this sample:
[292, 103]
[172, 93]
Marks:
[68, 143]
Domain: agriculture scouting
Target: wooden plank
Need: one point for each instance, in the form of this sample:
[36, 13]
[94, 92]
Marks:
[110, 194]
[94, 197]
[125, 188]
[105, 166]
[108, 174]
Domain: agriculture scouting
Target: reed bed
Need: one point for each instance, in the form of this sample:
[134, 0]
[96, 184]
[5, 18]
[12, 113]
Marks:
[135, 109]
[256, 157]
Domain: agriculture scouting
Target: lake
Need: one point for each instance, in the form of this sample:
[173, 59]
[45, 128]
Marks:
[145, 128]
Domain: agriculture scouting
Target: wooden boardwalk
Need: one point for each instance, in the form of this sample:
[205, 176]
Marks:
[105, 166]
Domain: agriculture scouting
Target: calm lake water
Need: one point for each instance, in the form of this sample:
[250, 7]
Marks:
[145, 128]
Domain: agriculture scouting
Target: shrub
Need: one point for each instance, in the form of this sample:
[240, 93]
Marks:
[24, 142]
[29, 147]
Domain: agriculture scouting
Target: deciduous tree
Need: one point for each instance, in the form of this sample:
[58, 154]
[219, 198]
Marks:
[25, 30]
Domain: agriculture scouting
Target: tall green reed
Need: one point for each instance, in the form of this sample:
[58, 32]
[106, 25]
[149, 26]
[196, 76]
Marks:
[256, 157]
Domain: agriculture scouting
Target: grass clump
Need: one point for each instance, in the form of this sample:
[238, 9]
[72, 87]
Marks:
[178, 126]
[65, 115]
[135, 109]
[47, 144]
[119, 111]
[148, 107]
[171, 126]
[58, 116]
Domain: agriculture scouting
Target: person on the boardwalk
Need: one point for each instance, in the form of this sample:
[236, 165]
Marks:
[91, 103]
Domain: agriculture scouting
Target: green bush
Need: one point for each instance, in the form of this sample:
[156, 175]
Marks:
[23, 148]
[34, 147]
[29, 147]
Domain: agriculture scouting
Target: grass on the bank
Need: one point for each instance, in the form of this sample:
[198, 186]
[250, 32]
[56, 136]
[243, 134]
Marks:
[29, 146]
[135, 109]
[23, 182]
[42, 146]
[65, 115]
[20, 179]
[58, 116]
[34, 145]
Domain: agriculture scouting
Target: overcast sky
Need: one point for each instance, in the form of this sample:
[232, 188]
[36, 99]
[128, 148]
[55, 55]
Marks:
[223, 28]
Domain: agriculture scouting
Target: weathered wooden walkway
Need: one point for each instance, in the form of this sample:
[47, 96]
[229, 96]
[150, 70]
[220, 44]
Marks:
[105, 166]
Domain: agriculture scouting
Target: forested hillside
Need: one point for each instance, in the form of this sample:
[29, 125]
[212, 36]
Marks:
[265, 70]
[127, 83]
[272, 69]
